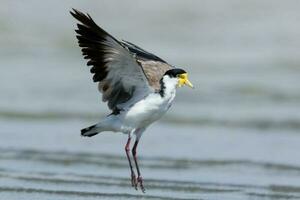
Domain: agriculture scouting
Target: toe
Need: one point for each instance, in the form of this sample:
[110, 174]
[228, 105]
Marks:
[140, 181]
[134, 181]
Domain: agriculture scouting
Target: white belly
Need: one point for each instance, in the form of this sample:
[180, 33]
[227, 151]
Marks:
[146, 111]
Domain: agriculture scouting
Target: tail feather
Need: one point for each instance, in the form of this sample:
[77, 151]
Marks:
[89, 131]
[108, 124]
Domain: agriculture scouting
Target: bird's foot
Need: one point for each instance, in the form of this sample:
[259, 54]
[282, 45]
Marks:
[133, 180]
[140, 182]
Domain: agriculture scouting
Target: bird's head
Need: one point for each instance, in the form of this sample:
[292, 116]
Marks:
[180, 75]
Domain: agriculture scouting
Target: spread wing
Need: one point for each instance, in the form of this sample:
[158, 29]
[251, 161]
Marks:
[125, 72]
[119, 75]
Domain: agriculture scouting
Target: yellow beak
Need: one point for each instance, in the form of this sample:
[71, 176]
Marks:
[183, 80]
[188, 83]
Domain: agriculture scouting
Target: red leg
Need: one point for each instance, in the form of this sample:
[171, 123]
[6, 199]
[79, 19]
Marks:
[139, 179]
[133, 177]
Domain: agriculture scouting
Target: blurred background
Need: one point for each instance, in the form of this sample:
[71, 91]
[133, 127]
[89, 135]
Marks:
[236, 136]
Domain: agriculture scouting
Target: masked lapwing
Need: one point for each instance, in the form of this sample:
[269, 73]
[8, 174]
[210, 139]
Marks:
[138, 86]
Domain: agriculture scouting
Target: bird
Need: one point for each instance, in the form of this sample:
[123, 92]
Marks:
[138, 86]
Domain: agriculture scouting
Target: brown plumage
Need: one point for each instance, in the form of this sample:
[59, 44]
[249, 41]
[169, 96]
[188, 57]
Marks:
[154, 70]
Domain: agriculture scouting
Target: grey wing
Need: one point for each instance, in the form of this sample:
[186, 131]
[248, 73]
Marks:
[154, 67]
[119, 75]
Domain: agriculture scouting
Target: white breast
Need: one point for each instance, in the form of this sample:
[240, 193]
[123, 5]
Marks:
[150, 108]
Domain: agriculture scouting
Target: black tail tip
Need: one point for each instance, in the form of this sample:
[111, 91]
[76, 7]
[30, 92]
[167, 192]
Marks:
[85, 130]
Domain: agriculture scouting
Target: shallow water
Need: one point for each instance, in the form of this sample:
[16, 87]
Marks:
[177, 162]
[236, 136]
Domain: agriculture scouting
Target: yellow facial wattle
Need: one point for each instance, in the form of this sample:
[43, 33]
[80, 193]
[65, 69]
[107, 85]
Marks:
[183, 80]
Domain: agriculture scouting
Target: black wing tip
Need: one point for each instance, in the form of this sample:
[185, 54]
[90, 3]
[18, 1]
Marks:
[83, 18]
[86, 21]
[90, 38]
[76, 13]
